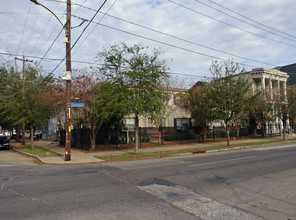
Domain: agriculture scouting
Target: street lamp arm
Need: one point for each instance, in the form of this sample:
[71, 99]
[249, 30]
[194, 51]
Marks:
[38, 3]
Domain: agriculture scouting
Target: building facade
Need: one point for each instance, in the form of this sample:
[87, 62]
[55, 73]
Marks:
[273, 83]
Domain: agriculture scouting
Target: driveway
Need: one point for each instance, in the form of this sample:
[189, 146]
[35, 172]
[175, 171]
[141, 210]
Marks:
[11, 158]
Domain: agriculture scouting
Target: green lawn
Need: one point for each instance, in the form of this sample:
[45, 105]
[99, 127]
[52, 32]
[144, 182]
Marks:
[172, 153]
[38, 151]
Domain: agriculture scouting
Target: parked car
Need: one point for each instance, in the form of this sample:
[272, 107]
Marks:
[4, 142]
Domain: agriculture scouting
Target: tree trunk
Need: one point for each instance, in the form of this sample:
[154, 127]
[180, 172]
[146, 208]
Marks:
[93, 138]
[228, 134]
[203, 135]
[263, 129]
[237, 131]
[32, 137]
[18, 133]
[24, 134]
[136, 133]
[284, 130]
[159, 134]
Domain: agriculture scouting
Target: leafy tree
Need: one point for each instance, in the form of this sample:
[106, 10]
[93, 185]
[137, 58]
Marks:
[285, 109]
[228, 93]
[196, 102]
[260, 112]
[291, 96]
[137, 75]
[20, 100]
[168, 89]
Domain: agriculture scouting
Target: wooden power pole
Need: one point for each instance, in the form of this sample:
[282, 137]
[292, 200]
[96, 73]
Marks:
[23, 95]
[68, 84]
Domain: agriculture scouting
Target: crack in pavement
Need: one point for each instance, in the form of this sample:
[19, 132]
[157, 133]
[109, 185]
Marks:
[179, 197]
[9, 180]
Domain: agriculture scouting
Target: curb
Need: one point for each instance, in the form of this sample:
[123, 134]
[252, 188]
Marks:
[27, 154]
[243, 147]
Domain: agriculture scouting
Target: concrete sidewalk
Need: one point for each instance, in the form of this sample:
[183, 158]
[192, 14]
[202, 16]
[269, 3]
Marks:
[191, 146]
[79, 157]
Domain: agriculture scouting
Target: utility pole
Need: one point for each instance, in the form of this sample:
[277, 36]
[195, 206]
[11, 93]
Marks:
[23, 95]
[68, 84]
[66, 76]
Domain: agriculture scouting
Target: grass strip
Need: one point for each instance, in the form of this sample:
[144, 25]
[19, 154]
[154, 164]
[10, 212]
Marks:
[38, 151]
[171, 153]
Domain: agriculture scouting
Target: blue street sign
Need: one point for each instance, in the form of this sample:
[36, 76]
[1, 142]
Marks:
[79, 105]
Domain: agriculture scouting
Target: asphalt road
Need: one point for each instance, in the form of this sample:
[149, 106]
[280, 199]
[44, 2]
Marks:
[257, 183]
[11, 158]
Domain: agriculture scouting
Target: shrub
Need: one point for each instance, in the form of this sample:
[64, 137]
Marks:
[145, 139]
[180, 136]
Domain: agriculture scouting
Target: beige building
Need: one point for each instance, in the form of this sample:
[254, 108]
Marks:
[175, 115]
[274, 82]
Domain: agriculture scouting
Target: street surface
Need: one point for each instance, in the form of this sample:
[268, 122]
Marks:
[10, 158]
[255, 183]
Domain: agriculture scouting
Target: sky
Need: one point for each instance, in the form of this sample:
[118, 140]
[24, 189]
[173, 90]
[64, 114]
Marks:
[191, 33]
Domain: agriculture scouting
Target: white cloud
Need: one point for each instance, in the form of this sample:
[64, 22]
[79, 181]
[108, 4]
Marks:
[163, 16]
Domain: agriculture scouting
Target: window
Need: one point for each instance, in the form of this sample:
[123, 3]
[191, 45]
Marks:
[182, 123]
[150, 122]
[177, 99]
[130, 124]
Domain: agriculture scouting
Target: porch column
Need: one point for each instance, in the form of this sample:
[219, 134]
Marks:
[285, 91]
[270, 89]
[279, 89]
[263, 87]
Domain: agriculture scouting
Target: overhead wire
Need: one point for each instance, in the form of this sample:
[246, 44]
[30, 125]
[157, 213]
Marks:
[243, 21]
[95, 26]
[24, 28]
[168, 44]
[184, 40]
[50, 47]
[267, 26]
[29, 37]
[228, 24]
[93, 63]
[90, 21]
[56, 38]
[37, 41]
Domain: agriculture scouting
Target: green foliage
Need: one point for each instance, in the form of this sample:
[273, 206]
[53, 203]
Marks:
[20, 97]
[223, 134]
[136, 76]
[197, 103]
[145, 139]
[180, 136]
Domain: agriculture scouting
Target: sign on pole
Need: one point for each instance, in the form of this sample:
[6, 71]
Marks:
[78, 105]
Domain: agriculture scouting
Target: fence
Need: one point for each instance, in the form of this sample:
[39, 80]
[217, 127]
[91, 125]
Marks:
[80, 138]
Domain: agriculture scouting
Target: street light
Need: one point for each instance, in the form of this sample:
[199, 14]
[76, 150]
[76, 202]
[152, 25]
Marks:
[68, 78]
[38, 3]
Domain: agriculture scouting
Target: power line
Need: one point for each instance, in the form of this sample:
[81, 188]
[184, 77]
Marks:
[170, 45]
[50, 46]
[32, 28]
[184, 40]
[178, 38]
[95, 63]
[75, 41]
[250, 32]
[94, 27]
[44, 29]
[241, 20]
[24, 27]
[251, 19]
[58, 33]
